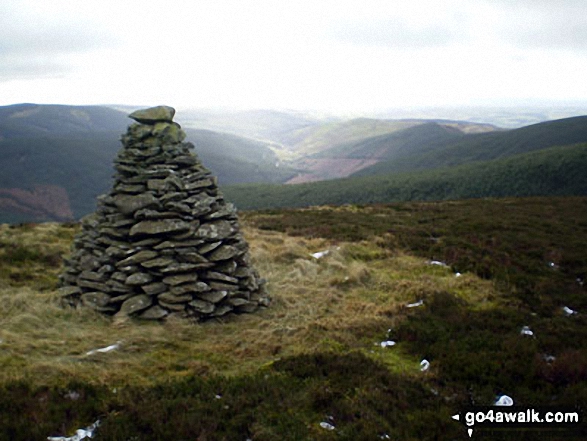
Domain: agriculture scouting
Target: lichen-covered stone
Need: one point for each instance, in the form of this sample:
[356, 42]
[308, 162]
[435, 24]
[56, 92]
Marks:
[155, 312]
[180, 278]
[135, 304]
[153, 115]
[159, 227]
[138, 279]
[95, 299]
[128, 204]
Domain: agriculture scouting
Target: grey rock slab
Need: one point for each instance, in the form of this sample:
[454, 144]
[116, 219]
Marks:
[188, 235]
[155, 312]
[214, 275]
[135, 304]
[139, 131]
[139, 257]
[89, 262]
[169, 244]
[178, 206]
[202, 183]
[186, 160]
[181, 278]
[197, 287]
[169, 297]
[119, 286]
[206, 248]
[179, 268]
[68, 278]
[117, 233]
[164, 226]
[202, 306]
[247, 307]
[169, 132]
[146, 214]
[223, 286]
[148, 242]
[98, 286]
[144, 152]
[66, 291]
[138, 279]
[192, 258]
[159, 262]
[213, 296]
[119, 276]
[92, 275]
[128, 204]
[153, 114]
[223, 253]
[157, 184]
[215, 230]
[154, 288]
[129, 188]
[221, 310]
[173, 196]
[228, 268]
[95, 299]
[121, 298]
[176, 307]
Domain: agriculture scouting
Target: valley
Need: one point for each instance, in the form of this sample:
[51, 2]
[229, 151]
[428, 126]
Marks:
[70, 149]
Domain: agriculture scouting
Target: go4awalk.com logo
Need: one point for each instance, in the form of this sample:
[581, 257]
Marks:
[483, 419]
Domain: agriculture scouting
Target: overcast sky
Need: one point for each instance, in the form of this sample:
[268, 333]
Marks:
[302, 54]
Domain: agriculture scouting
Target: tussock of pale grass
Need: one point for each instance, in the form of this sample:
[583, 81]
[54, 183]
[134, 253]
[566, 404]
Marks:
[344, 300]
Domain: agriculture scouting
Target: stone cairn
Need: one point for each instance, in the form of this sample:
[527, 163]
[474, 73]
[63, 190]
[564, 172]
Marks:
[163, 242]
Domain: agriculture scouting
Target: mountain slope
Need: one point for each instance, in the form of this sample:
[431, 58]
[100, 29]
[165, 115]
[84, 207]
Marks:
[235, 159]
[55, 160]
[488, 146]
[30, 120]
[555, 171]
[266, 125]
[349, 157]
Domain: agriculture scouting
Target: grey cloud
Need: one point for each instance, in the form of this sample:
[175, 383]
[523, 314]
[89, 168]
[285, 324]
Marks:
[393, 33]
[33, 46]
[21, 68]
[18, 36]
[545, 24]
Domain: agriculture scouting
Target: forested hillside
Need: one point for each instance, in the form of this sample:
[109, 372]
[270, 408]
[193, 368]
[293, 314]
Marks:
[555, 171]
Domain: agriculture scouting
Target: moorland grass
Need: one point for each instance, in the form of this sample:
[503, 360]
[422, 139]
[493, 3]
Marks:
[314, 355]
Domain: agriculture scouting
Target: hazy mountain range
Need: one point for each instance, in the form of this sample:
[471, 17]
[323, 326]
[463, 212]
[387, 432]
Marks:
[56, 159]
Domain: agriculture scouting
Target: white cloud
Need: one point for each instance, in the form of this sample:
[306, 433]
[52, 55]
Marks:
[333, 55]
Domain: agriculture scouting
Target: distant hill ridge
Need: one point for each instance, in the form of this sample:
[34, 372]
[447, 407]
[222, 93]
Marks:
[486, 146]
[64, 154]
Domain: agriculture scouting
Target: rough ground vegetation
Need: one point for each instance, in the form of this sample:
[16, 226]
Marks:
[315, 355]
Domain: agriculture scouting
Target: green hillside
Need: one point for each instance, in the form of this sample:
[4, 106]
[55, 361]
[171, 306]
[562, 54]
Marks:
[555, 171]
[409, 141]
[487, 146]
[315, 138]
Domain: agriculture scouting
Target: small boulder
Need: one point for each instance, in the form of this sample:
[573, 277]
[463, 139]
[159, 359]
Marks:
[153, 115]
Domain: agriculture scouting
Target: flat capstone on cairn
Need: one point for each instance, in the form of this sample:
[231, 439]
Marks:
[163, 242]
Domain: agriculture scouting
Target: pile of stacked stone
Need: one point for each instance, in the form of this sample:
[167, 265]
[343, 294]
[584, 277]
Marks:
[163, 242]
